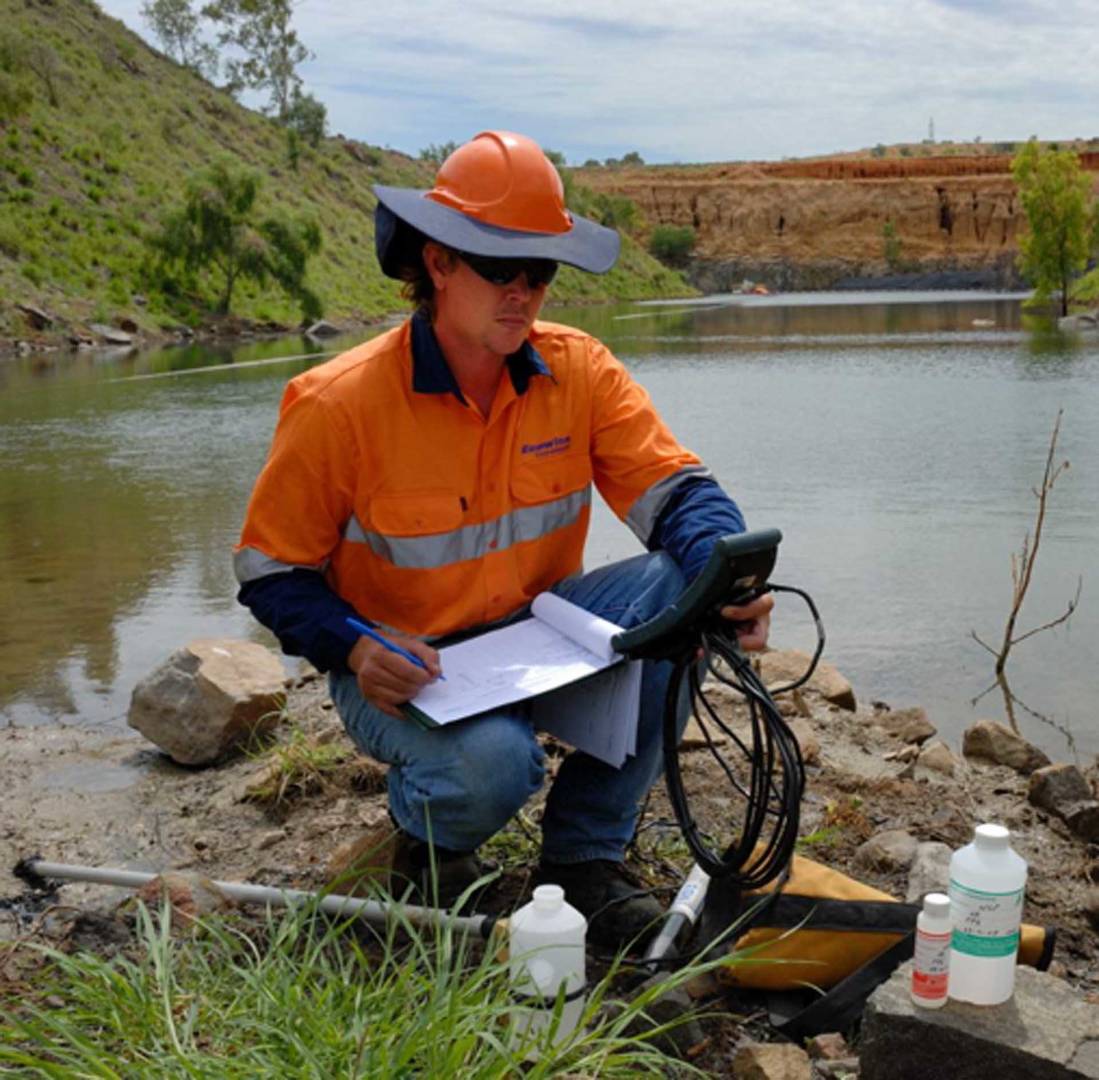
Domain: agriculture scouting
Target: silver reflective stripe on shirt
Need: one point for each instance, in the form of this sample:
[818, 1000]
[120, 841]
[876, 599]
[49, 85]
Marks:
[249, 564]
[643, 514]
[472, 541]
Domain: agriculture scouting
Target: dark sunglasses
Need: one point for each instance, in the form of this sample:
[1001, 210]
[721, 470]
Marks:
[504, 271]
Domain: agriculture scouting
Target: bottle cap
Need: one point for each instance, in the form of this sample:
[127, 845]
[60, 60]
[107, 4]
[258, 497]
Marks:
[548, 897]
[937, 905]
[991, 836]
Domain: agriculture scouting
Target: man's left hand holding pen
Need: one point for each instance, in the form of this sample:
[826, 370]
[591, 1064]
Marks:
[392, 668]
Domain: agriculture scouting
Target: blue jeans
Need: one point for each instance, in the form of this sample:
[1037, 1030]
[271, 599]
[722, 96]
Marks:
[461, 783]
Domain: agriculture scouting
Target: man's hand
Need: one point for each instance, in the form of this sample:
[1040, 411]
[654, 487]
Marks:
[386, 679]
[752, 620]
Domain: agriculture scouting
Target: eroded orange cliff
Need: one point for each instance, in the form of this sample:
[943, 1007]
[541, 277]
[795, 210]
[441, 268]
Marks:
[815, 221]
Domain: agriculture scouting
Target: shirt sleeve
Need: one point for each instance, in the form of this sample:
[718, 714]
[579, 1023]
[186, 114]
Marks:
[694, 518]
[299, 507]
[660, 489]
[307, 617]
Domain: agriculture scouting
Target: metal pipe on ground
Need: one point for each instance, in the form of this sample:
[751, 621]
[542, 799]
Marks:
[371, 911]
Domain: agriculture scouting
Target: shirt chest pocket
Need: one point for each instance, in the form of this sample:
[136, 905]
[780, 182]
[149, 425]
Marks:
[415, 513]
[551, 478]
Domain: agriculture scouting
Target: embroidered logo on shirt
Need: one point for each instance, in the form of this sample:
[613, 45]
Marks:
[557, 445]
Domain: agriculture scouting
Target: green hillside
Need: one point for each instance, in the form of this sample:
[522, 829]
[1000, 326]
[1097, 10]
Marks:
[99, 131]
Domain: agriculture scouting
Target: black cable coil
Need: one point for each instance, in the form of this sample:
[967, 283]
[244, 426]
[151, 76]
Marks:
[764, 843]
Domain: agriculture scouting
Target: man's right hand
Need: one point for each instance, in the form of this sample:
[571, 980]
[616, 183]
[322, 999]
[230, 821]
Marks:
[386, 679]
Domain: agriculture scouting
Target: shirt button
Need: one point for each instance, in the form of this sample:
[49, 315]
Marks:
[492, 545]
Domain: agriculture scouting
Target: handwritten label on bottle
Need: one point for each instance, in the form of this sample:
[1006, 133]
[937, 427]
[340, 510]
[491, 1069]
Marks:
[986, 924]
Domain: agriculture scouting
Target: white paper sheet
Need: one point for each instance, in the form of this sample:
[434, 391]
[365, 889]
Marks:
[559, 649]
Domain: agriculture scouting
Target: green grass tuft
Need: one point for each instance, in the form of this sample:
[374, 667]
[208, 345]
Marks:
[296, 995]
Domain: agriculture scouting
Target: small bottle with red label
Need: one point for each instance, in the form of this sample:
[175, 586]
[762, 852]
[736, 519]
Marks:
[931, 965]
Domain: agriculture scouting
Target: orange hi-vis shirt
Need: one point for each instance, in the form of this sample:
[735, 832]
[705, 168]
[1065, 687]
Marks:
[428, 516]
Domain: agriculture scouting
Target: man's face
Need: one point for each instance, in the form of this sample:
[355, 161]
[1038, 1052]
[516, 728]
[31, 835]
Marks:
[477, 313]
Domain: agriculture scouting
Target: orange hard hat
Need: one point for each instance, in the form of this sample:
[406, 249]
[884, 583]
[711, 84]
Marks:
[504, 180]
[497, 195]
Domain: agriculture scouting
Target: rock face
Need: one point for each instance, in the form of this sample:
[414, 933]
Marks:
[1045, 1032]
[208, 697]
[825, 218]
[991, 741]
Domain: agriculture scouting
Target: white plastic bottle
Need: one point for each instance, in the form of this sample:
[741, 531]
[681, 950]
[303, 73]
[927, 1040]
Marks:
[987, 880]
[546, 951]
[931, 964]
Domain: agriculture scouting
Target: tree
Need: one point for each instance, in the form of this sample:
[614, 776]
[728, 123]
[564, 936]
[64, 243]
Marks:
[218, 228]
[1056, 198]
[272, 51]
[438, 154]
[307, 117]
[175, 24]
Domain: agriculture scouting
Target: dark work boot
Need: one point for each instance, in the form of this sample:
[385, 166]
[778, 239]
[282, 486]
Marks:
[398, 862]
[435, 876]
[619, 910]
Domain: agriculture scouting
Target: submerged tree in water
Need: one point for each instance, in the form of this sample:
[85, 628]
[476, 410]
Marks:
[1056, 197]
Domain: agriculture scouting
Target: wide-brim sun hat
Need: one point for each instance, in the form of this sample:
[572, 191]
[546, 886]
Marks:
[498, 196]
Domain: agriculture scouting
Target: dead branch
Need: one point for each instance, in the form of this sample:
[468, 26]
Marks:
[1023, 562]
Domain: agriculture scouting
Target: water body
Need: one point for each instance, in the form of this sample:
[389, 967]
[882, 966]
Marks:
[895, 440]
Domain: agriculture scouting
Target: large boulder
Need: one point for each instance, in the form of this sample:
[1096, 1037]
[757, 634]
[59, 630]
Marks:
[209, 697]
[781, 666]
[991, 741]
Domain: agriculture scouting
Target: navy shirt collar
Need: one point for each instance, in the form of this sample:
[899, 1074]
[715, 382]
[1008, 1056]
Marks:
[431, 373]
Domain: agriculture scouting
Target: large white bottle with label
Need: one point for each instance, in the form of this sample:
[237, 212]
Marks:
[987, 880]
[546, 953]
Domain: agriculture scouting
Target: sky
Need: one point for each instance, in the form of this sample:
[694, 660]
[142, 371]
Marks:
[698, 80]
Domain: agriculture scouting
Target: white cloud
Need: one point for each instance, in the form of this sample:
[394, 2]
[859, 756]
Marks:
[701, 79]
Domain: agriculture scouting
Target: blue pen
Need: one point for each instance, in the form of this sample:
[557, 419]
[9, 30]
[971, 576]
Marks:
[373, 634]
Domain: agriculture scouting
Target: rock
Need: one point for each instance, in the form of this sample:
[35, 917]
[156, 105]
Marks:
[110, 334]
[694, 737]
[930, 870]
[190, 896]
[208, 697]
[840, 1069]
[1091, 907]
[908, 752]
[322, 329]
[1054, 787]
[831, 1046]
[1083, 819]
[771, 1061]
[128, 325]
[893, 849]
[936, 756]
[991, 741]
[674, 1007]
[807, 740]
[1045, 1032]
[779, 667]
[908, 725]
[36, 316]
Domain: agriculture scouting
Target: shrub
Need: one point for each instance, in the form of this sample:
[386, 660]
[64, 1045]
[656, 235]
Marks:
[671, 243]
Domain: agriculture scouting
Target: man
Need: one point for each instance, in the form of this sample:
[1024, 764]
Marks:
[435, 479]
